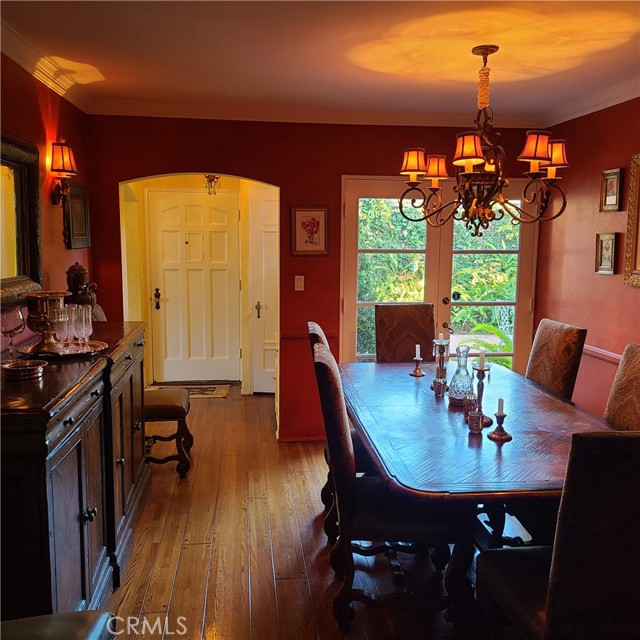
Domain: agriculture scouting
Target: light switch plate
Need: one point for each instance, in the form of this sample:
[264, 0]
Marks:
[299, 283]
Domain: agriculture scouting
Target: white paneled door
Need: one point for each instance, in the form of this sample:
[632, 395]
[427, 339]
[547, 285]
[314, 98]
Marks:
[264, 208]
[195, 285]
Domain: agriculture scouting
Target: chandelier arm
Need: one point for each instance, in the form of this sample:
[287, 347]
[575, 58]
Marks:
[552, 185]
[418, 202]
[440, 216]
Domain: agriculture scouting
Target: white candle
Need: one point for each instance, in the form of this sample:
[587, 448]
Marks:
[441, 336]
[500, 405]
[417, 351]
[482, 360]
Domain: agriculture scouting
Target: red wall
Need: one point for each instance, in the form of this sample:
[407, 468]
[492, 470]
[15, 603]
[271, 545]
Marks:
[33, 112]
[307, 162]
[567, 287]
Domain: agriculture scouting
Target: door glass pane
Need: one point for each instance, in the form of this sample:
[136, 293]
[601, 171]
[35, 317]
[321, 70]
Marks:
[500, 235]
[485, 277]
[391, 264]
[366, 336]
[380, 226]
[390, 277]
[483, 327]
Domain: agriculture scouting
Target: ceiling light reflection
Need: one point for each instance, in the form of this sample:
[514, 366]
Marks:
[535, 44]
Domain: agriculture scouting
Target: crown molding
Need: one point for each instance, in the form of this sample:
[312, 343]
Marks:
[40, 66]
[595, 102]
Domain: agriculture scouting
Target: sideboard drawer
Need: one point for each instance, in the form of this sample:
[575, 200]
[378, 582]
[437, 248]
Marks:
[68, 419]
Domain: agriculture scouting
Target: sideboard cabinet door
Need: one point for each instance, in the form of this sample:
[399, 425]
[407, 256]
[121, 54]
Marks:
[125, 447]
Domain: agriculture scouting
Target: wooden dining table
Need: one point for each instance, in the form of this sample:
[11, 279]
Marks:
[421, 445]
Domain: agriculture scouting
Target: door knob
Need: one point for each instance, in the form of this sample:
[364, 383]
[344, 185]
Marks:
[156, 295]
[258, 307]
[445, 325]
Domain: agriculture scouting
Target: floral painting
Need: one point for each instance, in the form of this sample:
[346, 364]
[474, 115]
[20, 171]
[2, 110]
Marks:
[309, 228]
[605, 253]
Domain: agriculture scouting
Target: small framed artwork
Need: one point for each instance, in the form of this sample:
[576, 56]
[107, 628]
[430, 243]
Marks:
[606, 253]
[309, 231]
[610, 189]
[76, 218]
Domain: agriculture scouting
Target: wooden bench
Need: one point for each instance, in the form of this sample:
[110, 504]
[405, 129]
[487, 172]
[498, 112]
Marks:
[170, 404]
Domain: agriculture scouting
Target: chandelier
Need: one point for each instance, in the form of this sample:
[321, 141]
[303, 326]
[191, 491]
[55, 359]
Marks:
[480, 180]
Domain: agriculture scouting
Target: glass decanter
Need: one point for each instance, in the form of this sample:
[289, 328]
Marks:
[461, 384]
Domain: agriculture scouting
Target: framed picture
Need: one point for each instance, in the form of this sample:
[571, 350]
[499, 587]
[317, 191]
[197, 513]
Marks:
[76, 218]
[610, 190]
[606, 253]
[309, 231]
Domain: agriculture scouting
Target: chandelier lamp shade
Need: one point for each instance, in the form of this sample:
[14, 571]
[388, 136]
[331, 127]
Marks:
[63, 167]
[479, 163]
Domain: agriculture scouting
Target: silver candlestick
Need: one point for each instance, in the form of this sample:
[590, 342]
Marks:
[417, 372]
[481, 371]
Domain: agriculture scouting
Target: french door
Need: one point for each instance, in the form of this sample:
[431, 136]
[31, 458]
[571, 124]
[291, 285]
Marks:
[482, 288]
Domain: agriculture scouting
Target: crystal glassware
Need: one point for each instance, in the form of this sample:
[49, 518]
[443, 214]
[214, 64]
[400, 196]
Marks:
[461, 384]
[11, 325]
[83, 326]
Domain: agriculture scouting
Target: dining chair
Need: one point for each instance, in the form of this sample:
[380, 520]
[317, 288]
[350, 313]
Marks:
[400, 327]
[368, 511]
[586, 585]
[555, 356]
[364, 464]
[623, 405]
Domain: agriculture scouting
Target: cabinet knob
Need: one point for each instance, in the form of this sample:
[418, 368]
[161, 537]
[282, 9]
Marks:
[95, 393]
[139, 344]
[67, 422]
[88, 514]
[137, 426]
[128, 357]
[120, 461]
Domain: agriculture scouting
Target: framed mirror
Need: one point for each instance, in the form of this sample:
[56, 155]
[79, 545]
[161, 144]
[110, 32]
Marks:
[632, 242]
[21, 268]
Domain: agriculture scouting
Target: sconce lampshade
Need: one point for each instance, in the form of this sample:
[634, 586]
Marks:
[413, 162]
[468, 150]
[558, 153]
[536, 147]
[436, 167]
[62, 160]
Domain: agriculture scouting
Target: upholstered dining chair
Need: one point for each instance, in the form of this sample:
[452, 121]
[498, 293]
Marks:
[587, 584]
[623, 405]
[555, 356]
[400, 327]
[364, 464]
[366, 509]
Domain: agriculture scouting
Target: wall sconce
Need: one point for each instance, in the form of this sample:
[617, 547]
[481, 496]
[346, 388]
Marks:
[63, 166]
[211, 183]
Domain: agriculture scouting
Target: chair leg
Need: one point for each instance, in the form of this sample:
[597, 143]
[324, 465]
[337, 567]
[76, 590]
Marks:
[331, 524]
[343, 612]
[326, 493]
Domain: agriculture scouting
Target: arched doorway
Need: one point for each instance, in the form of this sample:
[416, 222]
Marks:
[255, 256]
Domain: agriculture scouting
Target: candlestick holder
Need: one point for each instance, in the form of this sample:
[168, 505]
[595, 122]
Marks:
[499, 434]
[480, 374]
[417, 372]
[440, 353]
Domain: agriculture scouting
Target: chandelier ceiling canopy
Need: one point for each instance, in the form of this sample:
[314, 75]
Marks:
[480, 181]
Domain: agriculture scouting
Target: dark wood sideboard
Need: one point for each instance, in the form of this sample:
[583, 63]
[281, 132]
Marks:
[73, 476]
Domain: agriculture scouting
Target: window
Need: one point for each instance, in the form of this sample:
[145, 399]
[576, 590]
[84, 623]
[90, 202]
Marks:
[481, 287]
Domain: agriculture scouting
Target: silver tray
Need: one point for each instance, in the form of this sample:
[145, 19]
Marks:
[92, 347]
[23, 369]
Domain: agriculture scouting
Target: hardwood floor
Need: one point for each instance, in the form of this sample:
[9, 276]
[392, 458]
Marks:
[236, 550]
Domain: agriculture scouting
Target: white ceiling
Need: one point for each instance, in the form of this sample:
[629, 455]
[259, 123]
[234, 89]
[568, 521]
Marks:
[343, 62]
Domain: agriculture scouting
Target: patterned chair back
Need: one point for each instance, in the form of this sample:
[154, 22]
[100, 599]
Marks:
[400, 327]
[555, 356]
[623, 406]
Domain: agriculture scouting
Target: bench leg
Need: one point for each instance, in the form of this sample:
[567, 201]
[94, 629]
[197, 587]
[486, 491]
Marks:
[184, 442]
